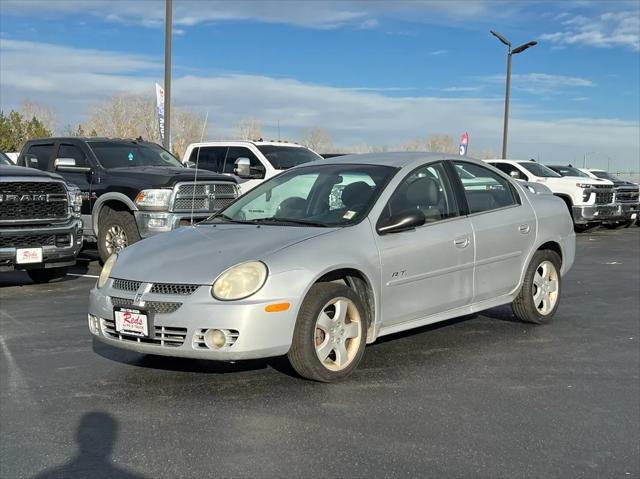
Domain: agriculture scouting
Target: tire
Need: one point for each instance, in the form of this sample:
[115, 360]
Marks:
[583, 228]
[321, 331]
[615, 226]
[116, 230]
[40, 276]
[526, 307]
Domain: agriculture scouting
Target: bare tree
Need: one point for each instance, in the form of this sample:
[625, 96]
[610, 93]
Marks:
[441, 144]
[43, 113]
[249, 129]
[125, 116]
[415, 144]
[318, 139]
[186, 127]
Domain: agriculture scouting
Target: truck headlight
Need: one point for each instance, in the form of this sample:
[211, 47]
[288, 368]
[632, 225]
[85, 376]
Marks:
[106, 270]
[156, 200]
[583, 185]
[75, 199]
[240, 281]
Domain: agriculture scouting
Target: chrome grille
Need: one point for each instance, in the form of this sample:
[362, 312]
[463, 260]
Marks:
[180, 289]
[156, 307]
[126, 285]
[626, 195]
[33, 200]
[166, 336]
[205, 197]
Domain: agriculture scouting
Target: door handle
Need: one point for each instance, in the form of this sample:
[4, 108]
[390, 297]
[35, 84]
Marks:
[524, 229]
[461, 242]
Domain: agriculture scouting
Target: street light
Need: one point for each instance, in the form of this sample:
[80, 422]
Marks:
[510, 52]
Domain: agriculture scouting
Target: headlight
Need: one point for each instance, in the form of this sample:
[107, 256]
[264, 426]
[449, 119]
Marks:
[106, 270]
[157, 200]
[584, 185]
[240, 281]
[75, 198]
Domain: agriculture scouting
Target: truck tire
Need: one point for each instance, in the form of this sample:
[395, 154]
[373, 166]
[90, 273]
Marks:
[330, 333]
[40, 276]
[116, 230]
[539, 296]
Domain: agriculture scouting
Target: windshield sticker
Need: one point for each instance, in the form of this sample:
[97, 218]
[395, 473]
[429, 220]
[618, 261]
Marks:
[130, 156]
[349, 214]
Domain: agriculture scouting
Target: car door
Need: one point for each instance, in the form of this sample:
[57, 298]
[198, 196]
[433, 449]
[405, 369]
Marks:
[504, 230]
[430, 269]
[82, 179]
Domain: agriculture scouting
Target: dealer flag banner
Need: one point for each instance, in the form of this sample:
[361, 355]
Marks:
[464, 143]
[160, 110]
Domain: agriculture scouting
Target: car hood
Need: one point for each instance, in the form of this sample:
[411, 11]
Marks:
[13, 170]
[197, 255]
[165, 176]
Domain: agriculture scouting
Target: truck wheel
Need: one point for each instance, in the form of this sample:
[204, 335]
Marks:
[45, 275]
[539, 296]
[116, 230]
[330, 333]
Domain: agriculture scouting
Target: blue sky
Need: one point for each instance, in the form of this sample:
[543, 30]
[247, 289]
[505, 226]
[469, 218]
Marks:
[375, 72]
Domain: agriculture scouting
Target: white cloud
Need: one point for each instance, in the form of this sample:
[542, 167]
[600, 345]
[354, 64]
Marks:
[462, 88]
[80, 77]
[543, 83]
[438, 52]
[612, 29]
[318, 14]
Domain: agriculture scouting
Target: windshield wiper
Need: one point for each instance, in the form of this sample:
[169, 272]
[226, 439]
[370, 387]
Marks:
[274, 219]
[228, 219]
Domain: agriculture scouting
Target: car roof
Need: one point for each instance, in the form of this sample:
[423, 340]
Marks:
[248, 142]
[53, 139]
[398, 159]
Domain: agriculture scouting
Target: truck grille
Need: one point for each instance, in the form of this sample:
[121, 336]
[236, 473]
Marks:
[34, 240]
[163, 335]
[604, 197]
[626, 195]
[203, 197]
[33, 200]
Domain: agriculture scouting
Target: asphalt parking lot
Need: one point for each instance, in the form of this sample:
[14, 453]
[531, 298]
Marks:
[482, 396]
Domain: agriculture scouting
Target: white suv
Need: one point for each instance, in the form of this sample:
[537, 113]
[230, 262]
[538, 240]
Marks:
[252, 161]
[590, 200]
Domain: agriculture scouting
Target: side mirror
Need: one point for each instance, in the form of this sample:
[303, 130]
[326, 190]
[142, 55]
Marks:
[404, 221]
[515, 174]
[30, 161]
[69, 164]
[242, 168]
[189, 164]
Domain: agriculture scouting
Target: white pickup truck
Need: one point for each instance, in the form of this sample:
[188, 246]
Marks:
[590, 200]
[251, 161]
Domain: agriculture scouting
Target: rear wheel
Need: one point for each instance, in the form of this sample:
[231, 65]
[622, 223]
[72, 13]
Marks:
[116, 231]
[539, 296]
[330, 333]
[46, 275]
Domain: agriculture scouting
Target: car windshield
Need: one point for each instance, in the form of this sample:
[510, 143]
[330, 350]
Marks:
[569, 171]
[604, 175]
[539, 170]
[4, 159]
[320, 195]
[284, 157]
[125, 154]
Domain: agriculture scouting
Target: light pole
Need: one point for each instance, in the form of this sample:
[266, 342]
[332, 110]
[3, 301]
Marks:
[167, 74]
[510, 53]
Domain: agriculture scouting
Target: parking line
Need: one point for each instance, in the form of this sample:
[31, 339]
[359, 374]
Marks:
[83, 275]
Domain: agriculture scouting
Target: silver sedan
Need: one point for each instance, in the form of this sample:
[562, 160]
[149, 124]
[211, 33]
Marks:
[329, 256]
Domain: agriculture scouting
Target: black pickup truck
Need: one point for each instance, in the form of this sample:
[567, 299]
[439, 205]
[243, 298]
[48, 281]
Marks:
[131, 189]
[40, 226]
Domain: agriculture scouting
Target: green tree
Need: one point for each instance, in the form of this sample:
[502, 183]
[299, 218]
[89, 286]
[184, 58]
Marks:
[15, 130]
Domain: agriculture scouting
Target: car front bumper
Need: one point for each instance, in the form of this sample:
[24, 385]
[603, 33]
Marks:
[627, 211]
[53, 256]
[256, 333]
[594, 213]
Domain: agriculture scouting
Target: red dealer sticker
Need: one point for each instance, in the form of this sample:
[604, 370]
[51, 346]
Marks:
[131, 321]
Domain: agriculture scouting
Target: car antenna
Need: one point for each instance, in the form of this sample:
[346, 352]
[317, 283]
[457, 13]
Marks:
[195, 176]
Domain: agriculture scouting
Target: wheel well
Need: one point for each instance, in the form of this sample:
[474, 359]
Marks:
[358, 282]
[552, 246]
[111, 205]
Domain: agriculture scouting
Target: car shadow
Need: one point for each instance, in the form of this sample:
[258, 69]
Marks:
[204, 366]
[96, 437]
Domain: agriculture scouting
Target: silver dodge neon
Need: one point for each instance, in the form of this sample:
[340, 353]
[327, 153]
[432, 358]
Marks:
[331, 255]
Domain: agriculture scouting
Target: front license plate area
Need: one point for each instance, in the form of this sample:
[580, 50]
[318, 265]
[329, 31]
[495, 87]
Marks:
[28, 255]
[131, 321]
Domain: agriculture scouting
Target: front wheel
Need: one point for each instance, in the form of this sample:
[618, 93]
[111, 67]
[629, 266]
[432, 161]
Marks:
[330, 333]
[539, 296]
[116, 231]
[46, 275]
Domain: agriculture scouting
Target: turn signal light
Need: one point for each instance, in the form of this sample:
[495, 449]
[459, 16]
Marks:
[277, 307]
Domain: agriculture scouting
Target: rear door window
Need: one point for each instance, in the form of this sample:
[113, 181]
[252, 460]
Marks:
[38, 156]
[209, 157]
[486, 190]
